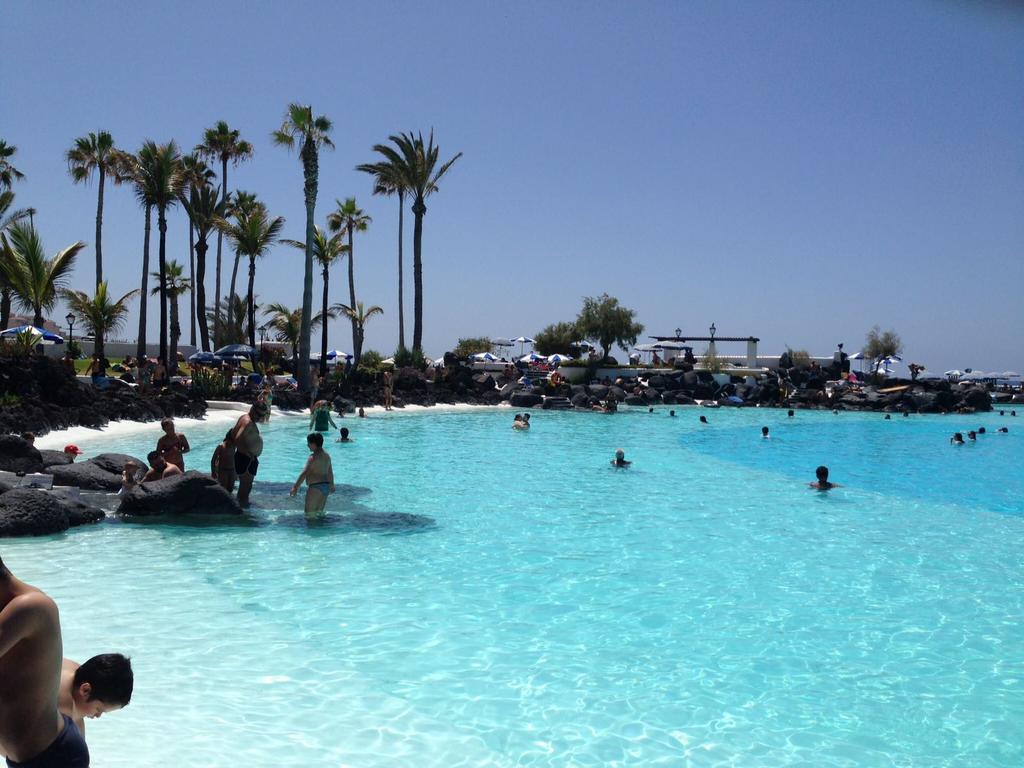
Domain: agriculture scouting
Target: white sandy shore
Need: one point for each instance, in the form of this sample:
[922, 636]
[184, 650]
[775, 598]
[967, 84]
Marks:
[225, 413]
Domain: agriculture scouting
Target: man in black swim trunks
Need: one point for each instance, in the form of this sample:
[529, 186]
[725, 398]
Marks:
[33, 734]
[248, 447]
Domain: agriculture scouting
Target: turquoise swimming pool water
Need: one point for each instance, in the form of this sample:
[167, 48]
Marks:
[486, 597]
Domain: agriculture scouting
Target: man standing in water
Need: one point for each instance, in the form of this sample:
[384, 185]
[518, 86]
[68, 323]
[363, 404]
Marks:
[319, 477]
[248, 447]
[32, 731]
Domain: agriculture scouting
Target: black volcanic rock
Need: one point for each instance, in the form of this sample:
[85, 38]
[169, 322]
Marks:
[190, 493]
[16, 455]
[32, 512]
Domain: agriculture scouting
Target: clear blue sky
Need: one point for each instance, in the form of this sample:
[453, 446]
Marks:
[794, 170]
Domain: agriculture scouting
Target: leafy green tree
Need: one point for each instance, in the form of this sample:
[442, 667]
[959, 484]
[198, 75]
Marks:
[8, 173]
[557, 338]
[226, 145]
[311, 132]
[605, 322]
[350, 218]
[99, 313]
[359, 316]
[881, 344]
[414, 167]
[160, 171]
[204, 209]
[472, 345]
[34, 280]
[286, 325]
[388, 181]
[253, 232]
[96, 153]
[7, 218]
[326, 251]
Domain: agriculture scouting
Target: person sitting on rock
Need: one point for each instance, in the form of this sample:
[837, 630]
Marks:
[822, 483]
[172, 445]
[72, 452]
[619, 462]
[129, 477]
[29, 437]
[159, 468]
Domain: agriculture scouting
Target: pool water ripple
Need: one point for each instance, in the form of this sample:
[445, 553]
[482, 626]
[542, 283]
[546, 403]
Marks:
[502, 598]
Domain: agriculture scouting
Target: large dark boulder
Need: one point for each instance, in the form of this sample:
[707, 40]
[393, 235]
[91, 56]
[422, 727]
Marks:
[634, 400]
[508, 390]
[16, 455]
[50, 457]
[651, 396]
[190, 493]
[31, 512]
[526, 400]
[580, 400]
[86, 475]
[114, 462]
[600, 391]
[484, 382]
[977, 398]
[617, 392]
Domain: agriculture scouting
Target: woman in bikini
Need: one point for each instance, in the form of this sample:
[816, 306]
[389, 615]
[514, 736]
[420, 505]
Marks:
[319, 477]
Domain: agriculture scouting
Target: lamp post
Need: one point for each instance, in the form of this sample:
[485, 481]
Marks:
[263, 337]
[679, 332]
[71, 329]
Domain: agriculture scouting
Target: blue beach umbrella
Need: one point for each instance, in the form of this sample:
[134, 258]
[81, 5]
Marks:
[558, 359]
[47, 336]
[202, 357]
[235, 350]
[533, 357]
[485, 357]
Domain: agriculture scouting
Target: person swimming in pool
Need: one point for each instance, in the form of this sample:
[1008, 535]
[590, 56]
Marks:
[318, 475]
[822, 483]
[619, 462]
[764, 433]
[343, 436]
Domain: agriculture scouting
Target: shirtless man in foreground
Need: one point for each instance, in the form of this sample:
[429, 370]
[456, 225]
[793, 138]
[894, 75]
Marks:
[33, 734]
[319, 477]
[248, 447]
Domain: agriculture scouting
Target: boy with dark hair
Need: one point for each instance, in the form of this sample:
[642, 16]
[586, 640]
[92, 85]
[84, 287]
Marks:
[32, 731]
[822, 483]
[318, 476]
[102, 684]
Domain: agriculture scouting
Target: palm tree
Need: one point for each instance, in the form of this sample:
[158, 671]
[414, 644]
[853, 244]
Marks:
[388, 181]
[244, 203]
[326, 250]
[414, 165]
[34, 279]
[358, 316]
[96, 152]
[173, 283]
[100, 315]
[286, 325]
[133, 167]
[311, 133]
[224, 144]
[6, 219]
[160, 167]
[252, 232]
[349, 217]
[8, 173]
[204, 209]
[195, 174]
[234, 332]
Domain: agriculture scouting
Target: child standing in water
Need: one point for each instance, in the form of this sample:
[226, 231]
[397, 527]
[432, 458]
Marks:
[222, 465]
[319, 477]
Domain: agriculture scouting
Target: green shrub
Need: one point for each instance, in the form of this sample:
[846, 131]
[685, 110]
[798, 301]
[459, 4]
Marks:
[370, 362]
[8, 400]
[403, 357]
[210, 384]
[472, 346]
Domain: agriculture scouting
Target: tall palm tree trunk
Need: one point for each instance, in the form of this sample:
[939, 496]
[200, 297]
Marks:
[200, 294]
[220, 245]
[310, 169]
[99, 231]
[172, 365]
[401, 303]
[352, 283]
[161, 222]
[140, 349]
[250, 304]
[192, 282]
[418, 210]
[5, 308]
[323, 325]
[231, 296]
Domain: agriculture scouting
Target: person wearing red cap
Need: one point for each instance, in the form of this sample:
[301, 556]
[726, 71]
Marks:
[73, 451]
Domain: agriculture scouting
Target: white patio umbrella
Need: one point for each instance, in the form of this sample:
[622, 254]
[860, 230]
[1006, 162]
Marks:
[533, 357]
[522, 341]
[484, 357]
[1009, 375]
[558, 359]
[956, 373]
